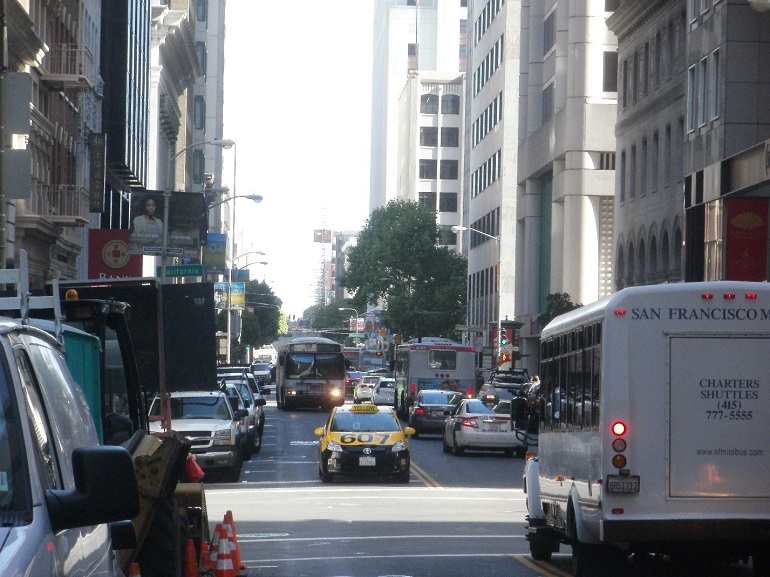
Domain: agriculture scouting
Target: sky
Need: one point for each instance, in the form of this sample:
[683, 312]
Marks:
[297, 103]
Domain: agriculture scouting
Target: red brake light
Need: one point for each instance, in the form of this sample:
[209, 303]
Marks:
[419, 411]
[413, 388]
[619, 428]
[751, 296]
[470, 422]
[620, 312]
[707, 296]
[729, 296]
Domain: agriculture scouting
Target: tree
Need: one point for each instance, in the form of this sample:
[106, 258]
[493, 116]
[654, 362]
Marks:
[396, 260]
[557, 304]
[260, 320]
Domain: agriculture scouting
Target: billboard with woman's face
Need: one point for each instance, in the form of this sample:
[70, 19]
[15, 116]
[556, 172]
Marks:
[181, 236]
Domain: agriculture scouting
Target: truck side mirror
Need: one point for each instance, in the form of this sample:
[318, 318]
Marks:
[94, 500]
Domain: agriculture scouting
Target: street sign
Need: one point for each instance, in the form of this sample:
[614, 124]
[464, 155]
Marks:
[182, 270]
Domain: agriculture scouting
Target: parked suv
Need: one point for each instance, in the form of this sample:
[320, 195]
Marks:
[59, 488]
[208, 420]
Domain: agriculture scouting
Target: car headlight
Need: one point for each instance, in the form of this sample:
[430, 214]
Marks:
[398, 446]
[223, 437]
[333, 446]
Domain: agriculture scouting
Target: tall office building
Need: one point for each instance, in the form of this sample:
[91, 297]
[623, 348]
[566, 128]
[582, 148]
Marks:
[492, 120]
[566, 164]
[409, 36]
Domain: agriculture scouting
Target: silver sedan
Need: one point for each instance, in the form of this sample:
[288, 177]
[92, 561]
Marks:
[474, 425]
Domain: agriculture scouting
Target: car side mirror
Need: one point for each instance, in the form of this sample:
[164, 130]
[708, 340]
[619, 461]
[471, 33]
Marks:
[94, 500]
[319, 432]
[260, 402]
[241, 414]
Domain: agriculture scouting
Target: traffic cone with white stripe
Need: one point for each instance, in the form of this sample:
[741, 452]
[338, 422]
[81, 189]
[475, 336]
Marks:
[205, 558]
[240, 568]
[190, 560]
[214, 549]
[224, 557]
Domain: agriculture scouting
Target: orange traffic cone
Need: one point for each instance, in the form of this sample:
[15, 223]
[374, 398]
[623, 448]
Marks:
[236, 550]
[190, 561]
[133, 570]
[205, 558]
[224, 557]
[214, 549]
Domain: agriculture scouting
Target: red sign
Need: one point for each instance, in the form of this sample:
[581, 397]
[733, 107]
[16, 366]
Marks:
[108, 255]
[746, 239]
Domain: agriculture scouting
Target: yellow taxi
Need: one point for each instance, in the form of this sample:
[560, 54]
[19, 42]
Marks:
[363, 440]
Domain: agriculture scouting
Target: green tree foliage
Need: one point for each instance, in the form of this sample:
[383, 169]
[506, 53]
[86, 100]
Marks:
[396, 260]
[260, 321]
[557, 304]
[330, 321]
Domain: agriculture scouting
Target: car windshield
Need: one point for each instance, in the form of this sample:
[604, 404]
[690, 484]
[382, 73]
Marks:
[315, 366]
[370, 422]
[214, 407]
[388, 385]
[261, 368]
[439, 398]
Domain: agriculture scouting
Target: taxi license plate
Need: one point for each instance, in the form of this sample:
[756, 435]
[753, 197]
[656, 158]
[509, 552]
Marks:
[367, 461]
[622, 484]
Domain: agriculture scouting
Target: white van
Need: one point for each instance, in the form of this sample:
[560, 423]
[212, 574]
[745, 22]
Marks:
[58, 488]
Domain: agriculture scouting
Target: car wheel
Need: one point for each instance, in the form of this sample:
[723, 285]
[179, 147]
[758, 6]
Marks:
[416, 434]
[457, 450]
[325, 477]
[234, 473]
[447, 448]
[257, 442]
[403, 477]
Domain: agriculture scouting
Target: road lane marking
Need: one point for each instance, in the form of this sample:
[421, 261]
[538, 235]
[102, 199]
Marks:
[426, 479]
[365, 556]
[284, 537]
[542, 567]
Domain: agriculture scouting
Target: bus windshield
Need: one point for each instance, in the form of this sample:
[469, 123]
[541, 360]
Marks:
[314, 366]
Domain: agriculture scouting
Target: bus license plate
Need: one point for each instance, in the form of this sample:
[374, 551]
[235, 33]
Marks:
[622, 484]
[314, 387]
[367, 461]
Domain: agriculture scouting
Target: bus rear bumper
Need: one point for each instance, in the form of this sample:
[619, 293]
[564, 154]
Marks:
[691, 530]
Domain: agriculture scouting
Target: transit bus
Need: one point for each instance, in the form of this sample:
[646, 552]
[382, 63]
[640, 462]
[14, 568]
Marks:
[653, 428]
[432, 363]
[370, 359]
[310, 373]
[351, 355]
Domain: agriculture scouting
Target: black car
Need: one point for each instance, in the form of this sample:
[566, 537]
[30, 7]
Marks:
[427, 413]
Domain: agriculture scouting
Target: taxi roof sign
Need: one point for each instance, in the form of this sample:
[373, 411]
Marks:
[364, 408]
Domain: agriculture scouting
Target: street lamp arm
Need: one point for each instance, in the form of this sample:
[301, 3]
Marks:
[255, 197]
[458, 228]
[224, 143]
[349, 309]
[252, 263]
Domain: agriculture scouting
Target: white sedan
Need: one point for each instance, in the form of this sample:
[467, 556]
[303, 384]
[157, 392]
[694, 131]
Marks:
[474, 425]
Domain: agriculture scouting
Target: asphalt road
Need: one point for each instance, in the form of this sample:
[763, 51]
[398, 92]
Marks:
[458, 516]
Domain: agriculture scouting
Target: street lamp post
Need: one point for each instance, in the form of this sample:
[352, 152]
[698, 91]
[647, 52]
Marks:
[458, 228]
[351, 309]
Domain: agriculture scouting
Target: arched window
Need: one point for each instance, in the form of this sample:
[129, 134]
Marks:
[652, 272]
[631, 261]
[429, 104]
[642, 261]
[450, 104]
[665, 253]
[620, 267]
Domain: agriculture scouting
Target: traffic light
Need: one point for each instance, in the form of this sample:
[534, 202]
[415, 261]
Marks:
[504, 336]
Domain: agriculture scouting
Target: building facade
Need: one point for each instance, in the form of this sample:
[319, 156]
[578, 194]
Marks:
[409, 35]
[430, 147]
[492, 120]
[566, 163]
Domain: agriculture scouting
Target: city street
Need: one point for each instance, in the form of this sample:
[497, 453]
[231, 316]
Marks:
[458, 516]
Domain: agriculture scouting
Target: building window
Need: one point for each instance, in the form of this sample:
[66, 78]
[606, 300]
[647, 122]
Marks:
[623, 176]
[450, 104]
[632, 175]
[702, 91]
[428, 136]
[200, 52]
[411, 57]
[448, 202]
[428, 200]
[198, 166]
[547, 111]
[715, 71]
[635, 79]
[448, 170]
[428, 169]
[610, 80]
[645, 69]
[549, 32]
[643, 169]
[450, 137]
[446, 236]
[200, 113]
[667, 154]
[201, 10]
[654, 167]
[691, 99]
[626, 85]
[429, 104]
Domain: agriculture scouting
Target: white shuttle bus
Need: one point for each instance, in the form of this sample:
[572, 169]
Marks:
[654, 431]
